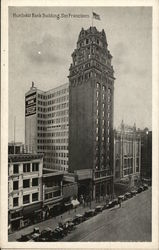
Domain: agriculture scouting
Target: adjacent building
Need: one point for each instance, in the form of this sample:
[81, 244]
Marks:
[146, 153]
[91, 101]
[15, 148]
[46, 125]
[24, 188]
[127, 154]
[52, 182]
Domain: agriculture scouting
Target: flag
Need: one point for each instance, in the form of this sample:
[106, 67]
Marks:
[96, 16]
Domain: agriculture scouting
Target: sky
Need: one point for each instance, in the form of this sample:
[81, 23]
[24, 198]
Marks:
[40, 50]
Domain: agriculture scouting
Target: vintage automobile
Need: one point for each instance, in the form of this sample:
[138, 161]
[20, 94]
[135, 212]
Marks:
[133, 193]
[140, 189]
[78, 219]
[68, 224]
[33, 236]
[58, 233]
[89, 213]
[121, 197]
[111, 204]
[145, 186]
[98, 209]
[47, 235]
[128, 195]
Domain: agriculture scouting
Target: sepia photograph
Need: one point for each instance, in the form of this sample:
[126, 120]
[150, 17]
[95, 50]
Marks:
[80, 124]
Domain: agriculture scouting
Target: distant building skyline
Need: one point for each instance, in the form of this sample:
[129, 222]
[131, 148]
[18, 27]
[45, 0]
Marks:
[42, 53]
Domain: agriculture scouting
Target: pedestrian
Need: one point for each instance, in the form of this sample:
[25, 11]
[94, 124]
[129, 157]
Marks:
[119, 202]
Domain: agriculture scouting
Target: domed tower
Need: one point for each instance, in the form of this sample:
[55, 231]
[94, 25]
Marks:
[91, 93]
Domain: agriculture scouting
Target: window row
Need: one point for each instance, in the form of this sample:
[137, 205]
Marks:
[98, 85]
[55, 114]
[57, 154]
[52, 195]
[56, 161]
[56, 107]
[26, 167]
[55, 134]
[48, 128]
[57, 100]
[57, 93]
[26, 183]
[52, 121]
[62, 140]
[26, 199]
[54, 147]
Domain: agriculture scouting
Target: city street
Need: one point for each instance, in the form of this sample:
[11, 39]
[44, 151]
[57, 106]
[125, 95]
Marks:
[131, 222]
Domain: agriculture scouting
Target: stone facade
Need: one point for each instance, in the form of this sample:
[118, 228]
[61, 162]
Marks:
[127, 154]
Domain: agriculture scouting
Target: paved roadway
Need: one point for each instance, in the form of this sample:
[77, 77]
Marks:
[131, 222]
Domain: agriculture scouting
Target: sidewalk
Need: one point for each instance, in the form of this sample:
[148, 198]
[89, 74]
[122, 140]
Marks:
[53, 222]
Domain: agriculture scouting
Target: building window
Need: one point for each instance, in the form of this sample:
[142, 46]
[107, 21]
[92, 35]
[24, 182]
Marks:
[26, 183]
[26, 199]
[26, 167]
[15, 185]
[57, 193]
[97, 94]
[97, 85]
[48, 196]
[15, 202]
[35, 166]
[15, 169]
[35, 197]
[35, 182]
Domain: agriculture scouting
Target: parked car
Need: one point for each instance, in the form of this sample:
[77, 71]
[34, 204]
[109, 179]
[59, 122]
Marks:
[121, 197]
[47, 235]
[98, 209]
[106, 206]
[58, 233]
[89, 213]
[68, 224]
[128, 195]
[24, 238]
[145, 186]
[140, 189]
[78, 219]
[133, 192]
[110, 204]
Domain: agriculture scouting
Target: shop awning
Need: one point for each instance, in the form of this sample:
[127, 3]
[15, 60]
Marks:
[31, 208]
[68, 204]
[17, 218]
[50, 206]
[15, 210]
[75, 203]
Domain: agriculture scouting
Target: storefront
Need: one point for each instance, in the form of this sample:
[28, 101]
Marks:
[32, 213]
[15, 219]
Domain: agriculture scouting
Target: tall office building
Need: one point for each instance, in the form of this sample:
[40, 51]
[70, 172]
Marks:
[91, 100]
[46, 125]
